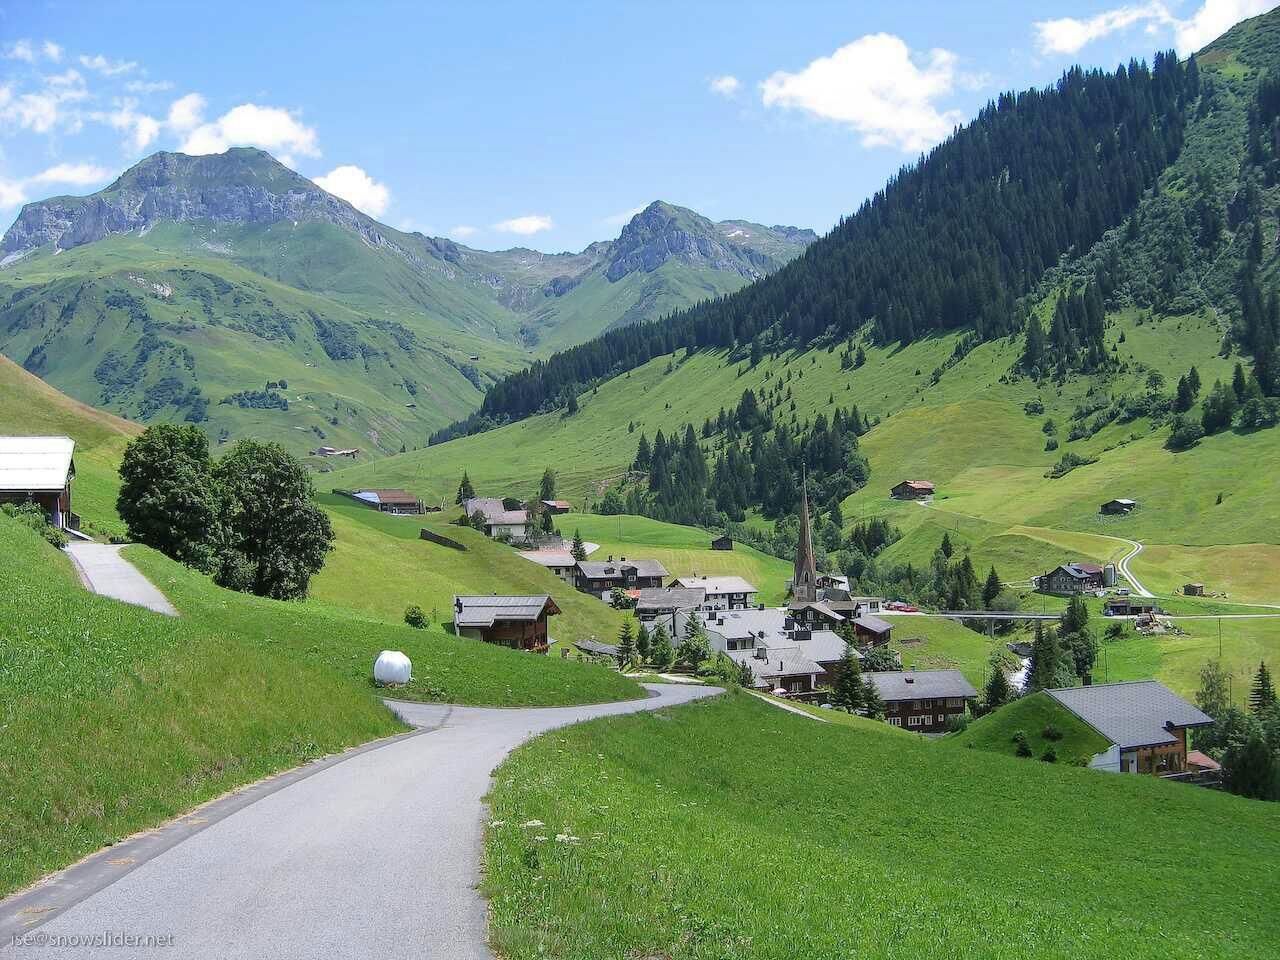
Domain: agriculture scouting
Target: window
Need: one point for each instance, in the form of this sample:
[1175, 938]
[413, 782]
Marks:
[926, 704]
[915, 721]
[895, 721]
[955, 701]
[942, 718]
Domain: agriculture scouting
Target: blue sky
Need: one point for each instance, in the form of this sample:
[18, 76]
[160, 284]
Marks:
[547, 124]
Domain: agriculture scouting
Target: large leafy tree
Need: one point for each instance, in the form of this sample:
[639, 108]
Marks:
[274, 539]
[168, 498]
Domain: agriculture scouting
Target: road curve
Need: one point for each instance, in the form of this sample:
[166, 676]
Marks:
[1123, 566]
[102, 570]
[375, 856]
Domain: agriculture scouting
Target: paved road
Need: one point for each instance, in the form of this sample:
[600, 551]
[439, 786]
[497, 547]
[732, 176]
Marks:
[104, 571]
[375, 856]
[1123, 567]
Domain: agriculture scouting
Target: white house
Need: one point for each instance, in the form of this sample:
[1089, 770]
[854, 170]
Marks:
[720, 593]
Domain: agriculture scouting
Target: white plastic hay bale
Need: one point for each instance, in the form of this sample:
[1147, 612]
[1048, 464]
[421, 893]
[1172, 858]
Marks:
[392, 669]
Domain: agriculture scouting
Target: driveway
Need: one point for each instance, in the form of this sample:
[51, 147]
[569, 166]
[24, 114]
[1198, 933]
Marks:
[374, 856]
[104, 571]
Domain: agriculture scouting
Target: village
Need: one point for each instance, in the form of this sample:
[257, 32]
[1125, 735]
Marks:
[797, 652]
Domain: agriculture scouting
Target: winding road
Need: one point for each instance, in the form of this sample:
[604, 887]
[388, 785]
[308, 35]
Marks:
[1123, 566]
[376, 854]
[103, 571]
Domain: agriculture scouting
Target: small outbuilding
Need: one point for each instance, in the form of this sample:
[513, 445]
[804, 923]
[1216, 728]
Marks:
[40, 470]
[872, 630]
[519, 622]
[557, 507]
[1193, 590]
[400, 502]
[1118, 506]
[722, 543]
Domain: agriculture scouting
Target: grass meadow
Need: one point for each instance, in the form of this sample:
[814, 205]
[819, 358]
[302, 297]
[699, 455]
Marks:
[732, 829]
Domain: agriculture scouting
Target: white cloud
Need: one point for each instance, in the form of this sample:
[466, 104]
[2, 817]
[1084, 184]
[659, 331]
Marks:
[358, 188]
[68, 78]
[76, 174]
[42, 111]
[462, 231]
[21, 50]
[148, 86]
[186, 113]
[1213, 18]
[140, 128]
[14, 192]
[525, 226]
[108, 68]
[877, 87]
[51, 51]
[250, 125]
[623, 216]
[726, 85]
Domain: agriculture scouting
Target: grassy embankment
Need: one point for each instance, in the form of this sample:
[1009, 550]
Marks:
[1033, 715]
[116, 718]
[804, 839]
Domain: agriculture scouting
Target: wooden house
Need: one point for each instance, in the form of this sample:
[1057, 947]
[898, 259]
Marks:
[400, 502]
[720, 593]
[722, 543]
[1144, 720]
[519, 622]
[1071, 578]
[40, 470]
[922, 700]
[1118, 506]
[1193, 590]
[872, 630]
[599, 577]
[557, 507]
[912, 490]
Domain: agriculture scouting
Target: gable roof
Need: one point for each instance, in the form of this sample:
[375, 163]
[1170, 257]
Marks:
[917, 484]
[874, 624]
[921, 684]
[486, 505]
[550, 558]
[779, 662]
[1081, 571]
[819, 605]
[485, 611]
[713, 585]
[386, 496]
[36, 464]
[511, 517]
[1131, 714]
[607, 569]
[670, 598]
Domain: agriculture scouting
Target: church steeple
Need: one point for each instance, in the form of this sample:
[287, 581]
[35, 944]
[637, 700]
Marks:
[804, 582]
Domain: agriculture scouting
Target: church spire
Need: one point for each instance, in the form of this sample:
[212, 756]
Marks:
[804, 582]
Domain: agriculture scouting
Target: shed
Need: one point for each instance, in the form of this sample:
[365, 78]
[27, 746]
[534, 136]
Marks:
[912, 490]
[722, 543]
[519, 622]
[1193, 590]
[1117, 506]
[390, 501]
[40, 470]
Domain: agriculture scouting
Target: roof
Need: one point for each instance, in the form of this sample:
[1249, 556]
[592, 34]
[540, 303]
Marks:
[550, 558]
[1124, 501]
[670, 598]
[485, 611]
[559, 504]
[489, 506]
[874, 624]
[36, 463]
[1131, 714]
[386, 496]
[921, 684]
[714, 585]
[605, 569]
[918, 484]
[1080, 571]
[1202, 760]
[513, 517]
[783, 662]
[824, 646]
[596, 648]
[818, 605]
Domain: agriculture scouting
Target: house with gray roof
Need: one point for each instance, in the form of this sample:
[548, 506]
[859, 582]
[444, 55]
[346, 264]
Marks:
[1145, 721]
[780, 669]
[519, 622]
[660, 605]
[743, 633]
[499, 522]
[721, 593]
[600, 577]
[922, 700]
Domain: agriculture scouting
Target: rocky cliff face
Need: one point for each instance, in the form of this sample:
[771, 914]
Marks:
[663, 232]
[242, 186]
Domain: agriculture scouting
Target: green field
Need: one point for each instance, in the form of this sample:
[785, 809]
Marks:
[1076, 744]
[687, 839]
[116, 718]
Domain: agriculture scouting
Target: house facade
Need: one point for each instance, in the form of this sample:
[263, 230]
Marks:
[518, 622]
[499, 522]
[720, 593]
[661, 605]
[40, 470]
[559, 562]
[912, 490]
[1145, 721]
[1071, 578]
[922, 700]
[600, 577]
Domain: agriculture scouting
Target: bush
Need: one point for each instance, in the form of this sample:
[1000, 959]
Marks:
[1051, 444]
[1051, 732]
[415, 618]
[1050, 755]
[30, 515]
[1024, 748]
[1185, 433]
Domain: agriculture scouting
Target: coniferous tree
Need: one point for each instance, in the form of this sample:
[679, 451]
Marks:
[663, 656]
[846, 690]
[1262, 695]
[991, 589]
[872, 702]
[946, 547]
[579, 549]
[998, 690]
[693, 647]
[465, 490]
[547, 487]
[626, 655]
[644, 643]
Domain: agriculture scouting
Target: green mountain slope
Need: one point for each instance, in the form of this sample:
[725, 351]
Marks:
[191, 280]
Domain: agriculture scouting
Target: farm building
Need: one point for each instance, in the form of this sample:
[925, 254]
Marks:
[922, 700]
[722, 543]
[720, 593]
[1129, 607]
[499, 522]
[1119, 506]
[390, 501]
[912, 490]
[1077, 577]
[1145, 721]
[1193, 590]
[40, 470]
[659, 605]
[872, 630]
[557, 507]
[599, 577]
[519, 622]
[559, 562]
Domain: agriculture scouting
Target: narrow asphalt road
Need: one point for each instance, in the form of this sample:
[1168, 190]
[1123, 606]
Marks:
[374, 856]
[104, 571]
[1123, 567]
